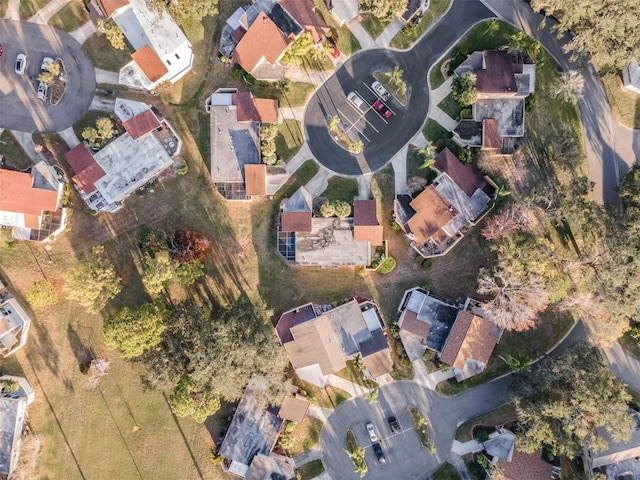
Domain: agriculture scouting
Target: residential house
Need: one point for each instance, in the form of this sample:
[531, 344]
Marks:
[631, 77]
[320, 339]
[436, 219]
[294, 408]
[256, 36]
[503, 81]
[13, 416]
[147, 149]
[365, 223]
[14, 323]
[620, 460]
[470, 345]
[460, 337]
[236, 169]
[30, 203]
[251, 437]
[162, 51]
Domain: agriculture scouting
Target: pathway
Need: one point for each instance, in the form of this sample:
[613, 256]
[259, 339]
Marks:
[392, 29]
[298, 159]
[13, 10]
[103, 104]
[105, 76]
[26, 142]
[351, 388]
[440, 93]
[319, 413]
[306, 457]
[314, 77]
[293, 113]
[364, 186]
[319, 183]
[624, 365]
[48, 11]
[442, 118]
[362, 35]
[472, 446]
[84, 32]
[70, 137]
[399, 162]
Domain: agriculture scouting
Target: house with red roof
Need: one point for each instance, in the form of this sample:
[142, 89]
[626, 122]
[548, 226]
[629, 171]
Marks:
[436, 219]
[162, 51]
[31, 203]
[107, 177]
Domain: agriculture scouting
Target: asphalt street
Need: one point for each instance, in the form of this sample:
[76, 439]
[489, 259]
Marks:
[382, 141]
[20, 109]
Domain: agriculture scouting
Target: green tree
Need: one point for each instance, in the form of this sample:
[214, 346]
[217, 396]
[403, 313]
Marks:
[104, 125]
[90, 134]
[464, 90]
[184, 10]
[188, 273]
[42, 294]
[112, 32]
[158, 273]
[396, 78]
[387, 265]
[335, 208]
[517, 362]
[190, 398]
[93, 282]
[608, 31]
[568, 399]
[372, 395]
[428, 153]
[465, 155]
[153, 240]
[134, 331]
[298, 49]
[356, 146]
[47, 78]
[334, 123]
[10, 386]
[383, 9]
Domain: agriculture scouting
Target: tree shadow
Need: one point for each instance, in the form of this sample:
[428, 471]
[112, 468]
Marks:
[82, 352]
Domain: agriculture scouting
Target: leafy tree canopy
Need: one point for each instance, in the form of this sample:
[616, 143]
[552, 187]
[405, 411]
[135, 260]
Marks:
[181, 10]
[383, 9]
[335, 208]
[190, 398]
[464, 89]
[134, 331]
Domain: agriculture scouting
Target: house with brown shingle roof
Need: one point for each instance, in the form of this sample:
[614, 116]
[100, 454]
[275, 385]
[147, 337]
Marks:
[162, 51]
[470, 345]
[365, 222]
[30, 203]
[236, 168]
[320, 338]
[304, 12]
[503, 81]
[435, 220]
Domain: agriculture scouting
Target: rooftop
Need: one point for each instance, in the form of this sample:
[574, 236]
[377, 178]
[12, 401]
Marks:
[304, 12]
[471, 338]
[110, 6]
[141, 124]
[432, 213]
[255, 178]
[439, 315]
[296, 221]
[365, 222]
[315, 343]
[149, 63]
[86, 169]
[467, 177]
[251, 109]
[262, 40]
[331, 243]
[497, 74]
[300, 201]
[265, 467]
[291, 318]
[490, 136]
[294, 408]
[509, 113]
[525, 466]
[13, 407]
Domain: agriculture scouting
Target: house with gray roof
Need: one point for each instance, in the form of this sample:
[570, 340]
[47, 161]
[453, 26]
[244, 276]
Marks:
[14, 323]
[15, 396]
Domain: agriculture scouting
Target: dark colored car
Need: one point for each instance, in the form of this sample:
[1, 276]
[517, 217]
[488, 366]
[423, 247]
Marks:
[394, 425]
[382, 109]
[377, 449]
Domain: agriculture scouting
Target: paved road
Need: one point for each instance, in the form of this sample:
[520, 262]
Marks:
[382, 141]
[20, 108]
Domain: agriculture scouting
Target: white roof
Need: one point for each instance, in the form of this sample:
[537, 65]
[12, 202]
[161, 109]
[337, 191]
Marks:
[372, 319]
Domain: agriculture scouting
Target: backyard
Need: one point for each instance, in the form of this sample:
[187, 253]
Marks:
[625, 104]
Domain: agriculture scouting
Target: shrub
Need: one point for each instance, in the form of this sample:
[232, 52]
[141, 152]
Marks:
[42, 294]
[466, 113]
[465, 155]
[426, 286]
[183, 169]
[387, 265]
[360, 271]
[464, 91]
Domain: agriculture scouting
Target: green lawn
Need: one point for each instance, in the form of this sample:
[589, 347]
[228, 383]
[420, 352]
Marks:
[3, 7]
[289, 139]
[405, 38]
[433, 131]
[414, 161]
[450, 107]
[625, 104]
[12, 151]
[499, 416]
[311, 470]
[348, 44]
[28, 8]
[294, 96]
[70, 17]
[323, 64]
[341, 188]
[480, 37]
[373, 25]
[103, 55]
[306, 435]
[351, 373]
[446, 472]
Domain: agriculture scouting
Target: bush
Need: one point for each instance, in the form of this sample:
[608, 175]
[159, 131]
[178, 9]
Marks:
[360, 271]
[183, 169]
[465, 155]
[42, 294]
[463, 90]
[466, 113]
[387, 265]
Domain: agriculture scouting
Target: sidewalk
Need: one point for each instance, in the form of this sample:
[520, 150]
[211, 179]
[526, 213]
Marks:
[318, 412]
[105, 76]
[103, 104]
[462, 449]
[353, 389]
[362, 35]
[13, 10]
[69, 136]
[364, 186]
[26, 142]
[307, 457]
[442, 118]
[392, 29]
[49, 10]
[319, 183]
[439, 94]
[84, 32]
[293, 113]
[298, 159]
[314, 77]
[399, 162]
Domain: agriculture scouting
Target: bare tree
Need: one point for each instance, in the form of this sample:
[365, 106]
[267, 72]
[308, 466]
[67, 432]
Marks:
[569, 87]
[515, 301]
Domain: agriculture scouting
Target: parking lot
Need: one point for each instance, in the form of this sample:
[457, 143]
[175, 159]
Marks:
[20, 107]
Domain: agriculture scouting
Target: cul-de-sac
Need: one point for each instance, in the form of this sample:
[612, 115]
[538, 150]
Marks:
[319, 239]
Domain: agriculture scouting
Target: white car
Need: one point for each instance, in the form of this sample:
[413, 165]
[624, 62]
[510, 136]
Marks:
[21, 63]
[42, 91]
[372, 432]
[382, 92]
[46, 60]
[356, 100]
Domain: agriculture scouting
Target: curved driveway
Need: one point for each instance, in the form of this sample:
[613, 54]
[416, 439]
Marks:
[330, 98]
[20, 109]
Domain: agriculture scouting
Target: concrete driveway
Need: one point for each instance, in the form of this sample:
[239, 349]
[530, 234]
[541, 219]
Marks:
[20, 108]
[383, 139]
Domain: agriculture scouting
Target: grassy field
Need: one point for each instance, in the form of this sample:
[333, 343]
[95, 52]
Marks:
[12, 152]
[499, 416]
[433, 131]
[311, 470]
[446, 472]
[28, 8]
[103, 55]
[480, 37]
[450, 107]
[630, 344]
[341, 188]
[70, 17]
[306, 435]
[373, 25]
[351, 373]
[625, 104]
[404, 39]
[289, 139]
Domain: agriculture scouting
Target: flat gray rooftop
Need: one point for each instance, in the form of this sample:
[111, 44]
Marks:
[438, 314]
[130, 164]
[331, 243]
[233, 144]
[509, 112]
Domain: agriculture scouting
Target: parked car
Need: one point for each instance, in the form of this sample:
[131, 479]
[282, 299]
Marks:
[46, 61]
[372, 432]
[21, 62]
[382, 109]
[42, 91]
[356, 100]
[377, 449]
[335, 53]
[394, 425]
[382, 92]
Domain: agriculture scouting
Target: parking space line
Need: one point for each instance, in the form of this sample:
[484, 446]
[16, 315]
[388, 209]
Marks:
[353, 125]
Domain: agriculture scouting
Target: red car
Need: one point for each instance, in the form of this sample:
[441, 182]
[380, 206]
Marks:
[335, 53]
[382, 109]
